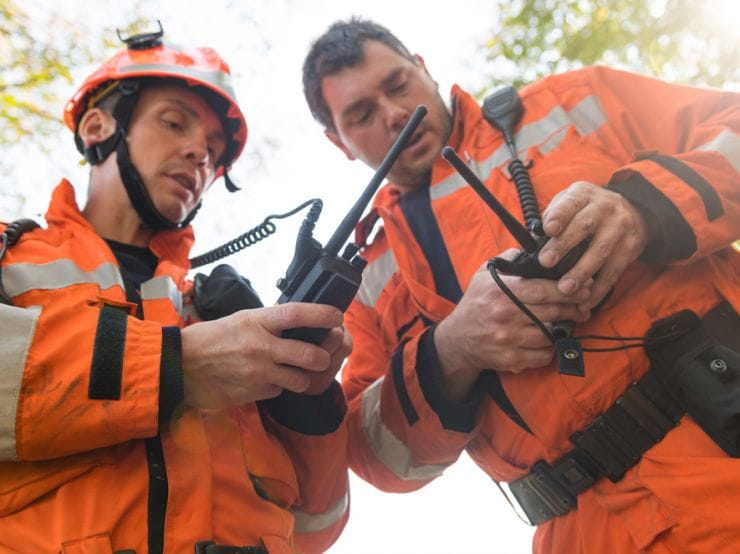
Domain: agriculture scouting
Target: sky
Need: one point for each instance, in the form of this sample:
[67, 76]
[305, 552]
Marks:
[288, 161]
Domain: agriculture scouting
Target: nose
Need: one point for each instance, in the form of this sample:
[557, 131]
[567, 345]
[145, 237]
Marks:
[195, 150]
[396, 115]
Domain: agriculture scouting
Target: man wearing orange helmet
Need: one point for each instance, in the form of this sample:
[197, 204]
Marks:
[129, 425]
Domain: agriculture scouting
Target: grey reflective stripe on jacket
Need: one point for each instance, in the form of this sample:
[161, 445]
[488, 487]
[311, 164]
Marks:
[162, 288]
[17, 328]
[546, 133]
[20, 278]
[313, 523]
[726, 143]
[388, 448]
[376, 277]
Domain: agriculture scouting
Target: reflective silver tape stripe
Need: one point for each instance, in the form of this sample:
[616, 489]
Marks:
[726, 143]
[17, 327]
[218, 79]
[394, 455]
[376, 277]
[588, 115]
[190, 312]
[546, 133]
[23, 277]
[162, 287]
[312, 523]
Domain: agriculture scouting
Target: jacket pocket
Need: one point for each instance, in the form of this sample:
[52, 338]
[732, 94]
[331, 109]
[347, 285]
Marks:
[268, 464]
[97, 544]
[23, 482]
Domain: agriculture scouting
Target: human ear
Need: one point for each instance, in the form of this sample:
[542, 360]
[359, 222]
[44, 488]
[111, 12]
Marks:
[336, 141]
[95, 126]
[420, 62]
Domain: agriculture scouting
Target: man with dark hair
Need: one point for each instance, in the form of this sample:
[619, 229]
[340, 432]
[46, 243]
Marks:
[128, 424]
[608, 429]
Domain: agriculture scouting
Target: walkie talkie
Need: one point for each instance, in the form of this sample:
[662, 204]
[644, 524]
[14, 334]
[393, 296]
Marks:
[319, 275]
[526, 264]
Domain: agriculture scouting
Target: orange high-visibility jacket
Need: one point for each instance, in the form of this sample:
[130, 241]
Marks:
[674, 151]
[90, 460]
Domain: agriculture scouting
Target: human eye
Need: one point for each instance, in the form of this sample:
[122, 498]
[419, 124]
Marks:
[364, 117]
[173, 120]
[398, 87]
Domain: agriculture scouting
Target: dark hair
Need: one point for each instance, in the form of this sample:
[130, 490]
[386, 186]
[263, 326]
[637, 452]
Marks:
[339, 47]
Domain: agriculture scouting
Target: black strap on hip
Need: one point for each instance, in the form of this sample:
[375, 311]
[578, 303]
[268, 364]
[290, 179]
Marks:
[608, 447]
[210, 547]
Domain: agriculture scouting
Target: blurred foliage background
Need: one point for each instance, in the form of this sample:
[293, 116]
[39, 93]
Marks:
[691, 41]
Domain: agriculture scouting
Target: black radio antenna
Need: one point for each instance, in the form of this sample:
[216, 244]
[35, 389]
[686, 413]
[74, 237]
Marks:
[517, 230]
[349, 222]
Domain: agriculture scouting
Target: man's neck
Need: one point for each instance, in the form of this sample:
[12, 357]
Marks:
[109, 211]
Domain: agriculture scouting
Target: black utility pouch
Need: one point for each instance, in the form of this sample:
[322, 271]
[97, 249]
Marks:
[222, 293]
[698, 362]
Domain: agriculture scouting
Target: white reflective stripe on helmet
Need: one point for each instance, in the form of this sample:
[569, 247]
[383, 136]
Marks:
[218, 79]
[17, 328]
[388, 448]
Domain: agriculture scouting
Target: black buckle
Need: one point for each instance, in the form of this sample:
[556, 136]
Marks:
[547, 492]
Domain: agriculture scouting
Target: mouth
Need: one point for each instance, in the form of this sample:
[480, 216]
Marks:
[415, 138]
[185, 180]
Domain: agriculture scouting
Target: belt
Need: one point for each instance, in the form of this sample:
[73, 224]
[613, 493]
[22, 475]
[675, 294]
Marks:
[210, 547]
[609, 446]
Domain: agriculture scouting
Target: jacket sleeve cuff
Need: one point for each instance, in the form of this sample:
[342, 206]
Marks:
[670, 237]
[309, 414]
[171, 381]
[453, 415]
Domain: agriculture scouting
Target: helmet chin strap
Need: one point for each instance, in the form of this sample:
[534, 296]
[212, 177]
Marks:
[139, 196]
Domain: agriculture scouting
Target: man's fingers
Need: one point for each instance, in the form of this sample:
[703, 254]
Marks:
[300, 354]
[299, 314]
[545, 291]
[289, 378]
[333, 340]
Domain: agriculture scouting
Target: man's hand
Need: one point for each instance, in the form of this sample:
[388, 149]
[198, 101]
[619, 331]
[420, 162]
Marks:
[339, 345]
[243, 358]
[617, 228]
[487, 331]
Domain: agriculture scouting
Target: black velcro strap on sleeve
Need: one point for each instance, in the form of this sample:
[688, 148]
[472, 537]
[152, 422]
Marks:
[673, 237]
[403, 394]
[106, 370]
[712, 203]
[171, 380]
[454, 416]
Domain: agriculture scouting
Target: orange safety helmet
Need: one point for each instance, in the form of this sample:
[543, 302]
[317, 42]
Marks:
[148, 56]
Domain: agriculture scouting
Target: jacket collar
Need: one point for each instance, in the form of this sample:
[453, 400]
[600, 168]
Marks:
[172, 246]
[466, 113]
